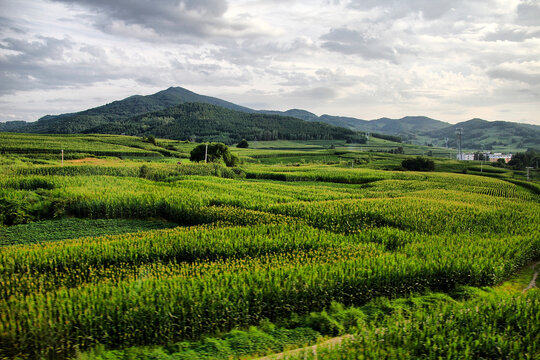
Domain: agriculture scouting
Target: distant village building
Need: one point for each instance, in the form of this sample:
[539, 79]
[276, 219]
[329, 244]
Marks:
[465, 156]
[489, 157]
[496, 156]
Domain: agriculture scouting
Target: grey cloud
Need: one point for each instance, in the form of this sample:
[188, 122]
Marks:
[94, 51]
[260, 53]
[514, 75]
[319, 93]
[41, 64]
[178, 19]
[323, 77]
[292, 78]
[452, 10]
[512, 34]
[399, 8]
[528, 12]
[17, 30]
[149, 80]
[188, 72]
[51, 63]
[44, 47]
[348, 41]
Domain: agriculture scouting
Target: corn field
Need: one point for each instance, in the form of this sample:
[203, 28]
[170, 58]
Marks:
[254, 244]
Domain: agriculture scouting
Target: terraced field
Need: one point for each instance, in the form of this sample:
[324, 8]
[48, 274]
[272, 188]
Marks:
[187, 252]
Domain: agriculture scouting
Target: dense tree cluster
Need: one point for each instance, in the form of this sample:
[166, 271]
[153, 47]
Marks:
[393, 138]
[418, 164]
[214, 152]
[205, 122]
[243, 144]
[523, 159]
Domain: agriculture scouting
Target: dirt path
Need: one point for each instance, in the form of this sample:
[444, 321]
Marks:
[532, 284]
[326, 344]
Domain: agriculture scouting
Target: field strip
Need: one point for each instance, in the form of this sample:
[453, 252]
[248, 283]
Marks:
[338, 340]
[286, 354]
[532, 284]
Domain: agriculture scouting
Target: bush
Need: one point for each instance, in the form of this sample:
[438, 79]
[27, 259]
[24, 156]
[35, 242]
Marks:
[215, 153]
[499, 163]
[243, 144]
[418, 164]
[150, 139]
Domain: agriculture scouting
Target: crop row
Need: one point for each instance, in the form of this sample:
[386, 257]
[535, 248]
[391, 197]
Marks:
[30, 269]
[119, 146]
[419, 205]
[428, 215]
[121, 292]
[503, 327]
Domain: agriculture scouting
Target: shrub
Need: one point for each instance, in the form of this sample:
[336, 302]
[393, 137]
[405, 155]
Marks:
[215, 153]
[418, 164]
[243, 144]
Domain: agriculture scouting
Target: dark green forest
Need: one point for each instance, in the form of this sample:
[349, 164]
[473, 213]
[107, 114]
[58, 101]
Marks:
[206, 122]
[118, 117]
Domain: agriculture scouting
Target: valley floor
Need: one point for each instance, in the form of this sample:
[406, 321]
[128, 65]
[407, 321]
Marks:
[137, 259]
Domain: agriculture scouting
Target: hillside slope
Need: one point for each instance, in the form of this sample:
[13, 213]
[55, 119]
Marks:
[498, 135]
[206, 122]
[490, 134]
[80, 122]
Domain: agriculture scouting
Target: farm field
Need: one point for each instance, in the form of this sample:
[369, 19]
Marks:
[122, 253]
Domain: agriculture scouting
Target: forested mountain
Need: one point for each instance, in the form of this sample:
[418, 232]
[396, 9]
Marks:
[297, 113]
[80, 122]
[408, 124]
[415, 129]
[12, 126]
[206, 122]
[489, 134]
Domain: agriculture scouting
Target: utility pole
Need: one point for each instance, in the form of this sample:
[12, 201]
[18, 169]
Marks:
[459, 132]
[482, 163]
[62, 157]
[206, 154]
[528, 172]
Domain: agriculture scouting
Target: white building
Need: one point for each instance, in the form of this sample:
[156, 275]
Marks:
[465, 156]
[490, 157]
[496, 156]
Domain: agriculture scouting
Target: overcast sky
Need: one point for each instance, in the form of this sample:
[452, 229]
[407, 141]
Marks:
[452, 60]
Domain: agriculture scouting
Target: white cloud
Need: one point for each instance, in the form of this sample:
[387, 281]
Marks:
[447, 59]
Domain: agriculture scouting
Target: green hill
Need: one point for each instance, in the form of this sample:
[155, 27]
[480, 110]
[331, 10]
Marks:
[296, 113]
[118, 118]
[206, 122]
[403, 126]
[493, 135]
[81, 122]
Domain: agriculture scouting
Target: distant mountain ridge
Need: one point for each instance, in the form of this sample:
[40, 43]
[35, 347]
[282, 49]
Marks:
[207, 122]
[480, 133]
[417, 129]
[121, 110]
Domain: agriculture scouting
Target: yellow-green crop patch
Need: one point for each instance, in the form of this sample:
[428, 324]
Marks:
[253, 243]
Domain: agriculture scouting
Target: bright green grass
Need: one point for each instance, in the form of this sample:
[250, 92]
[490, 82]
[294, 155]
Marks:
[54, 230]
[302, 331]
[50, 145]
[372, 233]
[295, 144]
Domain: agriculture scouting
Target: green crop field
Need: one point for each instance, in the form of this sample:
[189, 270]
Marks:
[122, 253]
